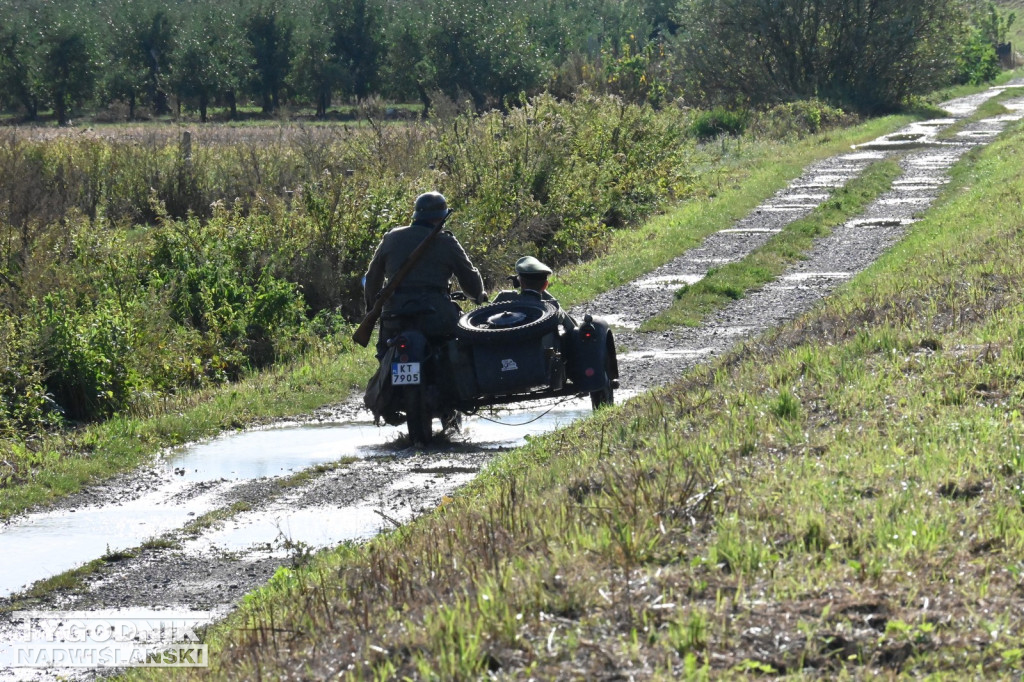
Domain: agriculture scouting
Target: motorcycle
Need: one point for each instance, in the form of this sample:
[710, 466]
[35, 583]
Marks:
[502, 353]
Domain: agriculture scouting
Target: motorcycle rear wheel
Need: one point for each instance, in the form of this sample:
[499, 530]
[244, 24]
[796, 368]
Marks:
[418, 417]
[606, 394]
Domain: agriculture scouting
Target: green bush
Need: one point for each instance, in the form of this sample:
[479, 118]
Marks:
[708, 125]
[797, 119]
[87, 355]
[25, 405]
[219, 281]
[976, 61]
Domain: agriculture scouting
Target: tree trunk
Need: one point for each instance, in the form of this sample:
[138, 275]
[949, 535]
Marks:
[425, 99]
[60, 108]
[323, 101]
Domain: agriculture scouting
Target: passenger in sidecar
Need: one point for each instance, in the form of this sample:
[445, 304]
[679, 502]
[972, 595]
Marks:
[531, 282]
[524, 346]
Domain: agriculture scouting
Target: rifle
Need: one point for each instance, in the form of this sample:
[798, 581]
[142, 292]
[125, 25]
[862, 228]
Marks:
[365, 329]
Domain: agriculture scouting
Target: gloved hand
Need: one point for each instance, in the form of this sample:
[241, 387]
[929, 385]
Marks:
[482, 298]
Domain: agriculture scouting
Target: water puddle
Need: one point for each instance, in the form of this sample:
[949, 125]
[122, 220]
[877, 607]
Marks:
[816, 185]
[709, 260]
[665, 353]
[965, 106]
[917, 187]
[50, 543]
[805, 276]
[622, 322]
[898, 145]
[277, 451]
[912, 184]
[941, 161]
[905, 201]
[878, 222]
[807, 197]
[750, 230]
[914, 136]
[786, 208]
[735, 331]
[281, 531]
[47, 544]
[668, 281]
[978, 133]
[1000, 121]
[863, 156]
[282, 528]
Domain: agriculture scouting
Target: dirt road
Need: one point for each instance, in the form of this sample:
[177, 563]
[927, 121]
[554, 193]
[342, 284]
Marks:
[286, 494]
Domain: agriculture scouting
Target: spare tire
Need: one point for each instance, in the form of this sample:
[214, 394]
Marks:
[508, 322]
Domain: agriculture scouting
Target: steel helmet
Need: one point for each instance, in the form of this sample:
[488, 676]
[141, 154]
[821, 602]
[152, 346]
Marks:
[430, 206]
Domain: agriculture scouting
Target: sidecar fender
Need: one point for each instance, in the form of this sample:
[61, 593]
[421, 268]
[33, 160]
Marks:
[591, 349]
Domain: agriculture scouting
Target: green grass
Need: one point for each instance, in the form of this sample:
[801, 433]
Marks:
[840, 499]
[732, 281]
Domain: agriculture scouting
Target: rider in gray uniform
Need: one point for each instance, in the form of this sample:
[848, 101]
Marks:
[424, 291]
[532, 280]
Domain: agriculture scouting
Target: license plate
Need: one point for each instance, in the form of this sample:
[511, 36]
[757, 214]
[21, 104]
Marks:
[405, 373]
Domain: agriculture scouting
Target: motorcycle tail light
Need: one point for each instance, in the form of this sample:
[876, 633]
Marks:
[587, 330]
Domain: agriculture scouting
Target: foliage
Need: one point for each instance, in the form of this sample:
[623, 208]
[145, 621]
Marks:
[994, 25]
[86, 352]
[139, 58]
[804, 117]
[25, 405]
[719, 121]
[977, 61]
[869, 56]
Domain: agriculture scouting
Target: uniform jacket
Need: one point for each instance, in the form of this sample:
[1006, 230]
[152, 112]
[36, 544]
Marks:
[428, 281]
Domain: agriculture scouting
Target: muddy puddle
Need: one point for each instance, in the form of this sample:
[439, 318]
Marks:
[669, 281]
[198, 478]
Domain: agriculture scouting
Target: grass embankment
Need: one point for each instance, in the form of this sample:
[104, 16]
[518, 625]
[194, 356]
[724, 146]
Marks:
[840, 497]
[64, 462]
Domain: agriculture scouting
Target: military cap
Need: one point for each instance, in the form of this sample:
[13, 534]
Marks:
[531, 267]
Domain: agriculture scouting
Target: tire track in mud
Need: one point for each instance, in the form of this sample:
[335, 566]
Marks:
[213, 568]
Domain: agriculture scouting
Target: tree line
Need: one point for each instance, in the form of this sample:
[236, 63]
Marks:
[870, 55]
